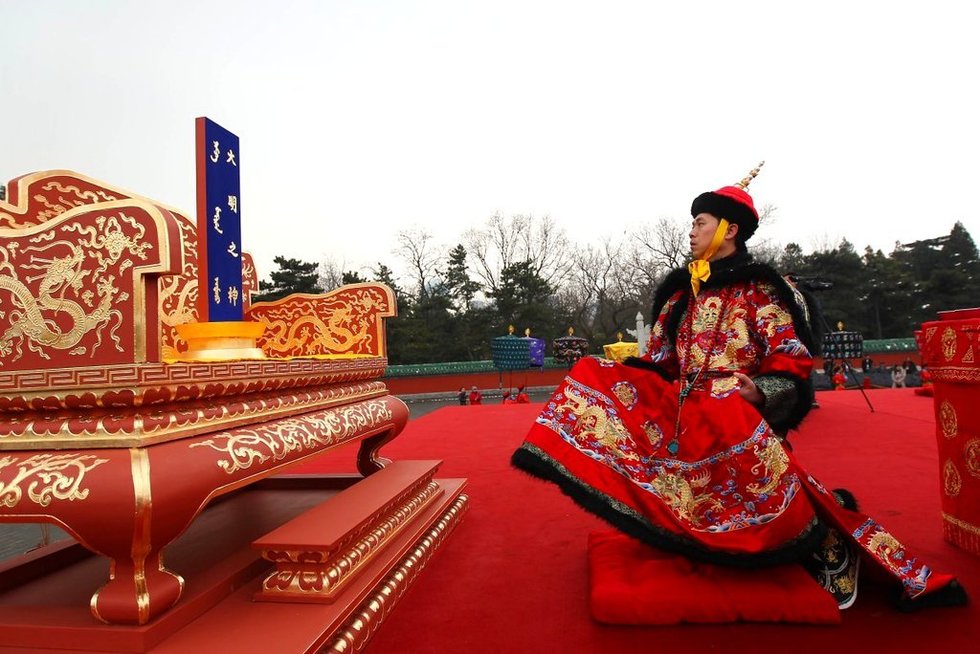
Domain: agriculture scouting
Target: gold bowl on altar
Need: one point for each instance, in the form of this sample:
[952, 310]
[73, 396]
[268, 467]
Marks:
[221, 341]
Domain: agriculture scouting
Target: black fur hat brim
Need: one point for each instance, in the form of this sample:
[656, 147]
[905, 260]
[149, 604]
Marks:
[731, 210]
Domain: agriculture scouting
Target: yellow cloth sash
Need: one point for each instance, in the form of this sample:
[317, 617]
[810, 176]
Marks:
[700, 269]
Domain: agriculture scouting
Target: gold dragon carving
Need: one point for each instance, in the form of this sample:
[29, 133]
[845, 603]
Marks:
[46, 195]
[346, 321]
[178, 293]
[75, 294]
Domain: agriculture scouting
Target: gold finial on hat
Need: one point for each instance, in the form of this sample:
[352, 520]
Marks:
[510, 330]
[527, 332]
[744, 184]
[571, 330]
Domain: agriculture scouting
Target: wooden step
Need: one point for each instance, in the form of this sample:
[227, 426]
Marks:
[322, 550]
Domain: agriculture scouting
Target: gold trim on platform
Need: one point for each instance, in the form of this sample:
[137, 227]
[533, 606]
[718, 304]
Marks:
[246, 447]
[962, 524]
[47, 477]
[300, 572]
[151, 425]
[139, 462]
[61, 383]
[354, 635]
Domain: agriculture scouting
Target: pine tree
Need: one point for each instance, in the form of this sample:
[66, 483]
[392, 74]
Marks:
[293, 276]
[352, 277]
[884, 294]
[524, 299]
[458, 284]
[953, 282]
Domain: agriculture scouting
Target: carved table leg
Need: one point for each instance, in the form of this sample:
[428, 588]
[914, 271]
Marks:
[368, 461]
[139, 587]
[137, 591]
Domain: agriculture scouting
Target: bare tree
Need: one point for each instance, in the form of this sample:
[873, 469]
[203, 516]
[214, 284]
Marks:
[331, 274]
[503, 242]
[417, 248]
[600, 295]
[664, 244]
[768, 214]
[767, 251]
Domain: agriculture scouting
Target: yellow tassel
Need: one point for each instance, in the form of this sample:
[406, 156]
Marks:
[700, 269]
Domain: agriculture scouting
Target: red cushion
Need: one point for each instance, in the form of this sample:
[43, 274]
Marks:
[633, 583]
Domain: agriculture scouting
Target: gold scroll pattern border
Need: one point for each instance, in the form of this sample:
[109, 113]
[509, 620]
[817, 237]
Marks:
[956, 374]
[46, 477]
[294, 578]
[354, 635]
[62, 382]
[245, 448]
[13, 213]
[184, 422]
[962, 524]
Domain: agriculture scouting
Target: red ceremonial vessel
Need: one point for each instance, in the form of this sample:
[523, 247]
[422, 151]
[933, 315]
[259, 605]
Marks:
[951, 350]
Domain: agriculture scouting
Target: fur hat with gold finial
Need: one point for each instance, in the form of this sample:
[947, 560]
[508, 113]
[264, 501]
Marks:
[733, 203]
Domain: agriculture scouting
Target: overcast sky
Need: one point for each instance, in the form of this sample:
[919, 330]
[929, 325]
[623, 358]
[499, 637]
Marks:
[360, 118]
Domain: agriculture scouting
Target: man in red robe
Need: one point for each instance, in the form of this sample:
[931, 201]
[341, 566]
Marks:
[684, 448]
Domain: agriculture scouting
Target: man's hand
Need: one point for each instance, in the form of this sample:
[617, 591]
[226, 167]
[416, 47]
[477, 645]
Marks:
[749, 391]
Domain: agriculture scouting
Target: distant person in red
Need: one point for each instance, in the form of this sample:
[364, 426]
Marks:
[508, 399]
[476, 397]
[839, 379]
[522, 397]
[926, 388]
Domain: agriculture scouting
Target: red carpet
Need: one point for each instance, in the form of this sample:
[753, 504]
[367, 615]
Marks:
[514, 575]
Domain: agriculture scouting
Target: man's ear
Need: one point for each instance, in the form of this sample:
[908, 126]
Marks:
[731, 232]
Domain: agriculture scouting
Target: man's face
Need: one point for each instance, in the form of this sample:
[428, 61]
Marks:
[702, 231]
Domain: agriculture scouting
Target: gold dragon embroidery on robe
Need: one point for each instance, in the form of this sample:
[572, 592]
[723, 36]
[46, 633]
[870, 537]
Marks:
[681, 496]
[593, 422]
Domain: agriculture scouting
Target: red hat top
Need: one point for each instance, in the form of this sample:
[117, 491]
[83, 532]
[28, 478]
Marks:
[732, 203]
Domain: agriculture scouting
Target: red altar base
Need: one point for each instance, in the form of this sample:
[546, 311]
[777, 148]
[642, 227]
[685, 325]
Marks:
[133, 495]
[43, 596]
[951, 348]
[110, 430]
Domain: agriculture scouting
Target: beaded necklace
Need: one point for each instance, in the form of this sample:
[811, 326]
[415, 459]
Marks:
[687, 382]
